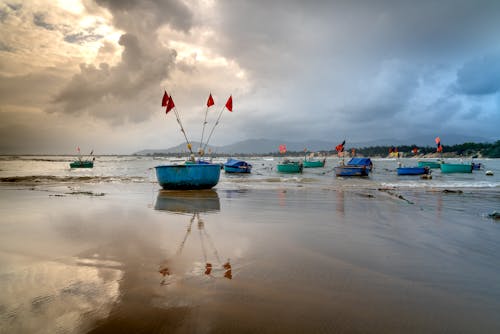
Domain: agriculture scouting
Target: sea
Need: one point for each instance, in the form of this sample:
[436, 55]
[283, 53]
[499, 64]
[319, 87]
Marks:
[140, 169]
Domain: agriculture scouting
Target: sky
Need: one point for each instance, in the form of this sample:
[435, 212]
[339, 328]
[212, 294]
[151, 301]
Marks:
[91, 73]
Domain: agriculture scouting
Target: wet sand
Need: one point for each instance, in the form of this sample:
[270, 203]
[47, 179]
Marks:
[285, 260]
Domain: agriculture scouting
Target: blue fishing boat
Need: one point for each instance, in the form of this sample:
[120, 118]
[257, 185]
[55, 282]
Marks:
[192, 174]
[366, 162]
[188, 176]
[477, 166]
[237, 166]
[413, 170]
[355, 167]
[351, 171]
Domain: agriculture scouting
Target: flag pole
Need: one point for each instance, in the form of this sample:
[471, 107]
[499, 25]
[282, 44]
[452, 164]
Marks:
[189, 146]
[213, 128]
[200, 151]
[177, 116]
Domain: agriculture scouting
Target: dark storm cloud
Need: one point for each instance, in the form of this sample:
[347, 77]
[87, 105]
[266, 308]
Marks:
[97, 90]
[39, 20]
[116, 92]
[345, 44]
[480, 76]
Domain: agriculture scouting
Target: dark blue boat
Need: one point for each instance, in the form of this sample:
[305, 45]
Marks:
[476, 165]
[351, 171]
[188, 176]
[413, 170]
[237, 166]
[355, 167]
[366, 162]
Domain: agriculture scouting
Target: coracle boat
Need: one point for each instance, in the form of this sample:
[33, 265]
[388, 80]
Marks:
[456, 168]
[428, 163]
[188, 176]
[237, 166]
[413, 170]
[355, 167]
[314, 163]
[191, 175]
[288, 166]
[82, 164]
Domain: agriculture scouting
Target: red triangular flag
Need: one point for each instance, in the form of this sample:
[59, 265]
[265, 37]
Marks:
[164, 101]
[229, 103]
[170, 104]
[210, 101]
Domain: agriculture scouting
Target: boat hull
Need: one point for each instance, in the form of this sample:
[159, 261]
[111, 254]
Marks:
[188, 177]
[456, 168]
[413, 170]
[82, 164]
[430, 164]
[351, 171]
[290, 168]
[241, 169]
[314, 163]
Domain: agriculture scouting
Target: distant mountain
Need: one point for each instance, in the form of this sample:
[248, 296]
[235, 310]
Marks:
[181, 148]
[264, 146]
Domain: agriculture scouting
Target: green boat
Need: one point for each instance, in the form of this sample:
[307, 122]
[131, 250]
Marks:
[430, 164]
[82, 164]
[288, 166]
[314, 163]
[456, 168]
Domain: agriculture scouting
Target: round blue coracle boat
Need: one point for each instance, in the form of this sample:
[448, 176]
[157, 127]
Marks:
[188, 176]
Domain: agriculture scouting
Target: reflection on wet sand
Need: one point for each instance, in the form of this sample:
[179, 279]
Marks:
[194, 202]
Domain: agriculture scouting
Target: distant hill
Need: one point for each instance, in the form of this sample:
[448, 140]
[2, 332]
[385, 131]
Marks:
[264, 146]
[181, 148]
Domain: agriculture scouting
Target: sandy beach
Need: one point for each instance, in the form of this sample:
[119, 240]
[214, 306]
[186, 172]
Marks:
[101, 258]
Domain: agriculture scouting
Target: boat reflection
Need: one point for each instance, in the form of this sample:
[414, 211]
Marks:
[193, 202]
[188, 201]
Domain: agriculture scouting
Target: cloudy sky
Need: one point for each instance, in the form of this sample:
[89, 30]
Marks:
[91, 73]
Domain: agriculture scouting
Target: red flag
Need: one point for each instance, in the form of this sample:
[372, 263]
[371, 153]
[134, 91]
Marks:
[170, 104]
[78, 149]
[282, 148]
[340, 147]
[164, 101]
[210, 101]
[229, 103]
[437, 140]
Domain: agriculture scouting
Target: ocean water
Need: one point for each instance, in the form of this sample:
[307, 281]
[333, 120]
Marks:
[137, 169]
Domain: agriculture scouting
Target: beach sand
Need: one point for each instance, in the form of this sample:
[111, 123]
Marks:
[131, 258]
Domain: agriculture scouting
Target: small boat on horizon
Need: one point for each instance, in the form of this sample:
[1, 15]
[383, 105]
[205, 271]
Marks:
[82, 164]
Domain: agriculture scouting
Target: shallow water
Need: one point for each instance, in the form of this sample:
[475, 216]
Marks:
[105, 250]
[136, 169]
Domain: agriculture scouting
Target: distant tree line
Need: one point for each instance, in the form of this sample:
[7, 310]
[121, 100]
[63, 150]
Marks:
[486, 150]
